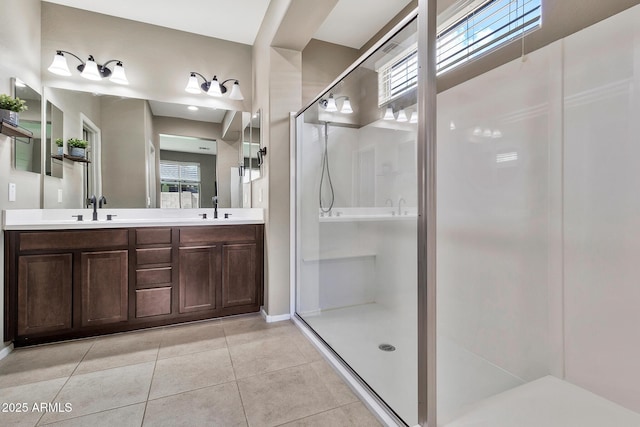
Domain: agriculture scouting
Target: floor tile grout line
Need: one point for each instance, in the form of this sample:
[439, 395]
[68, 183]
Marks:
[68, 378]
[189, 391]
[92, 413]
[233, 369]
[155, 364]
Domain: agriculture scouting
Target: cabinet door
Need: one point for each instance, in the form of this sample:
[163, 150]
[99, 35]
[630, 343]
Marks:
[239, 281]
[44, 293]
[104, 287]
[199, 274]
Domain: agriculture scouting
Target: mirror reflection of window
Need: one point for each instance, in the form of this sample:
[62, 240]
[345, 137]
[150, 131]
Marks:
[187, 172]
[179, 184]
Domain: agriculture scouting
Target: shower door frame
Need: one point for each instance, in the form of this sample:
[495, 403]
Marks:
[425, 13]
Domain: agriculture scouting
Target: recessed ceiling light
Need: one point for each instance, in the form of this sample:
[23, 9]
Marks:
[192, 108]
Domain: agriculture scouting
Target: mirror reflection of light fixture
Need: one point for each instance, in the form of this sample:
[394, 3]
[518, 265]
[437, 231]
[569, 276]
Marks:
[414, 117]
[330, 104]
[402, 116]
[90, 69]
[388, 115]
[213, 87]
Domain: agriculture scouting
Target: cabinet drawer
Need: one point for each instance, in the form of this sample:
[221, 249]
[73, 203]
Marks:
[153, 256]
[153, 302]
[153, 276]
[223, 233]
[67, 240]
[153, 236]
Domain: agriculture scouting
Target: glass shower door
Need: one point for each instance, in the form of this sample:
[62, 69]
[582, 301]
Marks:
[356, 252]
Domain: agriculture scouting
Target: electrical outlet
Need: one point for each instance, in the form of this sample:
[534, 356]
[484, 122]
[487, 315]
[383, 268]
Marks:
[12, 192]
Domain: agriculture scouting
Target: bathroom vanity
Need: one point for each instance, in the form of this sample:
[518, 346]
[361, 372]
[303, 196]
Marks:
[69, 279]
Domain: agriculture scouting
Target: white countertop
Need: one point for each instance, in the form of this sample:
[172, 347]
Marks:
[61, 219]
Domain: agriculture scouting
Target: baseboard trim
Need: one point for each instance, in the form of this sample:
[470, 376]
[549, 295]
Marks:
[5, 351]
[277, 318]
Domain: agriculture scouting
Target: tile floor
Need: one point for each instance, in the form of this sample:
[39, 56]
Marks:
[238, 371]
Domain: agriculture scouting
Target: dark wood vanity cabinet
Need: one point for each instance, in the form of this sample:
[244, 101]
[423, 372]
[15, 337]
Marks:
[68, 284]
[44, 293]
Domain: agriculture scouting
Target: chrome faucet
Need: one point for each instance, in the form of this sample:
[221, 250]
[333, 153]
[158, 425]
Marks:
[400, 204]
[102, 201]
[214, 200]
[94, 202]
[388, 202]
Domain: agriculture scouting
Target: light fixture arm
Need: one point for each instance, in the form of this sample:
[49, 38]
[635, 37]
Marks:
[223, 88]
[117, 61]
[194, 73]
[58, 52]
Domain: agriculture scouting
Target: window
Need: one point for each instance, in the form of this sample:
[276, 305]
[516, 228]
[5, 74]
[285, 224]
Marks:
[398, 77]
[180, 184]
[489, 25]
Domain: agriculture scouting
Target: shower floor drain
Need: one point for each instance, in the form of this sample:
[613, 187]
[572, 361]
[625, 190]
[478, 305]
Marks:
[386, 347]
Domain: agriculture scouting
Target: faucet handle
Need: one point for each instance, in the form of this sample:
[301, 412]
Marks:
[203, 215]
[110, 217]
[77, 216]
[227, 215]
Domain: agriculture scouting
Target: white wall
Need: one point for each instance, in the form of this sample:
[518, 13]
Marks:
[537, 270]
[602, 208]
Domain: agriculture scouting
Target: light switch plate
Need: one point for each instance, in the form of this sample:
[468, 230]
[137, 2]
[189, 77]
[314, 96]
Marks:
[59, 195]
[12, 192]
[260, 195]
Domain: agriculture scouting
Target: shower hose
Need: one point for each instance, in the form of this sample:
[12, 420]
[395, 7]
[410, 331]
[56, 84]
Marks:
[325, 171]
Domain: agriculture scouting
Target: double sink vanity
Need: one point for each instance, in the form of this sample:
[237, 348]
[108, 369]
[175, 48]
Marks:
[66, 278]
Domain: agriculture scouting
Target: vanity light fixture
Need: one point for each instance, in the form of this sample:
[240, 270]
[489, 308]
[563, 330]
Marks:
[90, 69]
[330, 104]
[213, 87]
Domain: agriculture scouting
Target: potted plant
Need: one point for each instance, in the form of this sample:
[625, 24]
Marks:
[77, 147]
[10, 109]
[60, 144]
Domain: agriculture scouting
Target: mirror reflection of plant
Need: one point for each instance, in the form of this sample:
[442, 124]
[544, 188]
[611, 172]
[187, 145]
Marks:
[59, 142]
[78, 143]
[12, 104]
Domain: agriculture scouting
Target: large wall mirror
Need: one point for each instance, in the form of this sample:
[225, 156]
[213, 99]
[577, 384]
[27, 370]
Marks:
[140, 151]
[27, 151]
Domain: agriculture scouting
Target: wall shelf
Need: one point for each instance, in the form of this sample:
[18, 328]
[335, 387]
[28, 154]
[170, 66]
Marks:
[77, 159]
[11, 130]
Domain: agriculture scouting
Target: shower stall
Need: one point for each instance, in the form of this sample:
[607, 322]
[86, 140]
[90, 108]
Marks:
[536, 235]
[357, 221]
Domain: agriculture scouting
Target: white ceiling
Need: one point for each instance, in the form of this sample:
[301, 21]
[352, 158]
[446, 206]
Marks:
[234, 20]
[351, 23]
[203, 114]
[187, 144]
